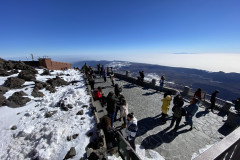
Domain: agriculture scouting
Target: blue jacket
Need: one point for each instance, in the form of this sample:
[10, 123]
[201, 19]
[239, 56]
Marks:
[192, 109]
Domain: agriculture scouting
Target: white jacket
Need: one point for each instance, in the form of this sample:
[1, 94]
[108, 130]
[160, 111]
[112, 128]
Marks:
[124, 110]
[131, 130]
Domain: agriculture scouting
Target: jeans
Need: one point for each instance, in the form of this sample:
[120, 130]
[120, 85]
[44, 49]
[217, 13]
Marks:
[188, 118]
[178, 120]
[111, 116]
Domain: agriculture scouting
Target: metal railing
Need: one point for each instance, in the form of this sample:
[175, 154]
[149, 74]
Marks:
[227, 149]
[125, 150]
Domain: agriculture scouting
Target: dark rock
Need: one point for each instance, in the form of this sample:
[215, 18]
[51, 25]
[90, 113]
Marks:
[13, 82]
[2, 100]
[8, 65]
[5, 73]
[51, 89]
[82, 118]
[75, 136]
[80, 112]
[36, 93]
[14, 71]
[70, 153]
[14, 127]
[41, 67]
[90, 134]
[69, 138]
[70, 106]
[46, 72]
[64, 108]
[38, 86]
[93, 156]
[26, 89]
[85, 106]
[50, 114]
[17, 100]
[60, 104]
[56, 82]
[3, 89]
[68, 75]
[27, 75]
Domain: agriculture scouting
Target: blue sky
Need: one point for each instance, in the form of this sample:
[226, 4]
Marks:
[118, 28]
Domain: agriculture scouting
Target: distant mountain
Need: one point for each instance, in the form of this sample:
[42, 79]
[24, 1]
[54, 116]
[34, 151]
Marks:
[226, 83]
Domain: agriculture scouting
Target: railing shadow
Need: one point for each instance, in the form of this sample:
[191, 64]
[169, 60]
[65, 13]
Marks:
[225, 130]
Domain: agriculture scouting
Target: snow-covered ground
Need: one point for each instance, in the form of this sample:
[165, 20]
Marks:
[46, 138]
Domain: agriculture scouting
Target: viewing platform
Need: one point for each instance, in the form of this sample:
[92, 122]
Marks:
[145, 101]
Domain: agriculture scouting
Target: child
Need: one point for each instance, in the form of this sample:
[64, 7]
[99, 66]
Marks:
[124, 113]
[165, 107]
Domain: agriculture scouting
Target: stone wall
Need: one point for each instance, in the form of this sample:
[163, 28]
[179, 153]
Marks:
[49, 64]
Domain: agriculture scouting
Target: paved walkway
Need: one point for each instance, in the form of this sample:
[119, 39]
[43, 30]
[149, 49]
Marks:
[146, 104]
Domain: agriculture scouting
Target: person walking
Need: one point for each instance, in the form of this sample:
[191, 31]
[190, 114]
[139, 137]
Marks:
[177, 98]
[131, 130]
[142, 76]
[178, 112]
[165, 107]
[102, 68]
[191, 111]
[162, 81]
[99, 68]
[124, 113]
[91, 81]
[111, 106]
[213, 100]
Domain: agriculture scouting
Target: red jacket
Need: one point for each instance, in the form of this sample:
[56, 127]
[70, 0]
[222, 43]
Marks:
[97, 95]
[198, 95]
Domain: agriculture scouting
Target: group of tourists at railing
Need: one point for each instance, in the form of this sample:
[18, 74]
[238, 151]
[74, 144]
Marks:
[115, 102]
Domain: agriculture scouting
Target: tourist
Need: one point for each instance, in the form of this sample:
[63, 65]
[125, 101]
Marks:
[111, 106]
[117, 89]
[213, 100]
[191, 111]
[91, 81]
[112, 78]
[142, 76]
[162, 81]
[124, 113]
[99, 69]
[131, 130]
[105, 75]
[237, 104]
[120, 98]
[109, 132]
[85, 68]
[178, 112]
[165, 107]
[198, 94]
[102, 68]
[177, 98]
[99, 95]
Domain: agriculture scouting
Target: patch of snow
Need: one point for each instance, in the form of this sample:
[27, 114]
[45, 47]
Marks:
[153, 154]
[46, 138]
[201, 151]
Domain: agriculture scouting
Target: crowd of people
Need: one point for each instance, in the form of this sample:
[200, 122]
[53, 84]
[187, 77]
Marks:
[115, 102]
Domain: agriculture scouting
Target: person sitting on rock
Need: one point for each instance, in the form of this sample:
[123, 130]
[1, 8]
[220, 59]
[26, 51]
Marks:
[178, 112]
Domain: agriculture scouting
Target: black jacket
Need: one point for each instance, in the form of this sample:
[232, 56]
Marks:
[111, 103]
